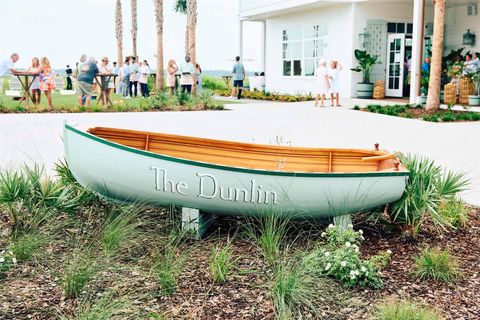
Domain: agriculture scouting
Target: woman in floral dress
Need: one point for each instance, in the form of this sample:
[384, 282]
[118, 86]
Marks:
[47, 80]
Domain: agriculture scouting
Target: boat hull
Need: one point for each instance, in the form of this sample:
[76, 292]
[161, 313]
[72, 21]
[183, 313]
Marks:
[135, 176]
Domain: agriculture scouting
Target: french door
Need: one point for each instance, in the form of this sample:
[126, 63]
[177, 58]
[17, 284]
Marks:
[395, 65]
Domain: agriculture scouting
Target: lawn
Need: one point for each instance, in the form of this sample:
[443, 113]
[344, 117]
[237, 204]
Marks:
[65, 253]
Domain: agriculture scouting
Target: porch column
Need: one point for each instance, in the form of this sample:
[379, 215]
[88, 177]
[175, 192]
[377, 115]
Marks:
[417, 49]
[264, 46]
[240, 38]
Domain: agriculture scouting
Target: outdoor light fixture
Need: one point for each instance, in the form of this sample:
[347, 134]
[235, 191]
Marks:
[469, 38]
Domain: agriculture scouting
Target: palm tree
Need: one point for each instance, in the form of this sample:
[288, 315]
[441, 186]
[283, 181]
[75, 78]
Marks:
[181, 7]
[119, 32]
[159, 22]
[192, 27]
[134, 27]
[433, 99]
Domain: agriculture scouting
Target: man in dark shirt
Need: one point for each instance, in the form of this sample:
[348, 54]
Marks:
[85, 81]
[69, 77]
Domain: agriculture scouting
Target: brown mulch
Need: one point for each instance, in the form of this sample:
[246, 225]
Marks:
[33, 290]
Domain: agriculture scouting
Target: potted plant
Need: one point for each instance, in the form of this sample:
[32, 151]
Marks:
[366, 63]
[424, 87]
[474, 100]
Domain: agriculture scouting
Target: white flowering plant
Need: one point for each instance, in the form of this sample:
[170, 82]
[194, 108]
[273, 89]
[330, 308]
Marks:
[7, 261]
[341, 259]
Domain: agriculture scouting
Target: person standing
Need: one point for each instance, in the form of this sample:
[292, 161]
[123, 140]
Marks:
[125, 78]
[85, 82]
[133, 77]
[198, 70]
[171, 72]
[115, 72]
[35, 87]
[186, 80]
[333, 77]
[105, 69]
[144, 74]
[238, 77]
[322, 83]
[47, 80]
[426, 65]
[8, 66]
[69, 73]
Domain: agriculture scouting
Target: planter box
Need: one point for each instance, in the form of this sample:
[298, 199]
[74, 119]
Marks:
[364, 90]
[474, 100]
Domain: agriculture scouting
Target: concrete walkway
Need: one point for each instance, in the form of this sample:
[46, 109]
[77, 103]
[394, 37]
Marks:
[37, 137]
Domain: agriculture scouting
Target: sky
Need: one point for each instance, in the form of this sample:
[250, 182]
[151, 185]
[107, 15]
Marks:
[62, 30]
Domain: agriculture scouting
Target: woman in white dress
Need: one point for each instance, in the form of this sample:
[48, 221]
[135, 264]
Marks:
[105, 69]
[322, 84]
[333, 76]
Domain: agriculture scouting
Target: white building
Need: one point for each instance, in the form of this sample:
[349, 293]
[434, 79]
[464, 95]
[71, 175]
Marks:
[298, 33]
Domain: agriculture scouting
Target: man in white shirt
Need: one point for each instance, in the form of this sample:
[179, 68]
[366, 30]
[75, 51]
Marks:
[8, 66]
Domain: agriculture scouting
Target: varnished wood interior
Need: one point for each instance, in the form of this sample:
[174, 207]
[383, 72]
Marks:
[252, 156]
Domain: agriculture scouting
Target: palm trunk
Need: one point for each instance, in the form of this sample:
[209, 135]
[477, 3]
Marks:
[191, 27]
[134, 27]
[159, 22]
[433, 99]
[119, 32]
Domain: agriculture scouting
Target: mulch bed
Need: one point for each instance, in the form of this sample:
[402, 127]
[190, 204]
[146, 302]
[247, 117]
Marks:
[33, 291]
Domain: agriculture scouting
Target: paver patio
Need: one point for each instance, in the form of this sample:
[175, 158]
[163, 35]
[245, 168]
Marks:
[37, 137]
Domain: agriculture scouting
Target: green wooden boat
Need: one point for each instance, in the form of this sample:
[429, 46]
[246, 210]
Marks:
[232, 178]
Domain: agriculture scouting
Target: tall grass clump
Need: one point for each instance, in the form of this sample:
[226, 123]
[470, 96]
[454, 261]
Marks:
[270, 231]
[121, 229]
[80, 268]
[454, 212]
[104, 309]
[427, 187]
[437, 264]
[221, 262]
[406, 310]
[27, 245]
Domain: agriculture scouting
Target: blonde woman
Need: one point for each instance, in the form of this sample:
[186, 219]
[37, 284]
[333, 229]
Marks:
[105, 68]
[333, 76]
[171, 71]
[47, 80]
[35, 87]
[322, 83]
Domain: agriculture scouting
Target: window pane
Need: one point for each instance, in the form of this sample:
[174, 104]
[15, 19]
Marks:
[400, 27]
[297, 68]
[297, 50]
[285, 35]
[391, 27]
[287, 68]
[287, 51]
[309, 47]
[297, 34]
[410, 28]
[310, 67]
[322, 30]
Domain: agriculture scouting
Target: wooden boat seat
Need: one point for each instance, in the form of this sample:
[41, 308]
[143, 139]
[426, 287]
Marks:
[253, 156]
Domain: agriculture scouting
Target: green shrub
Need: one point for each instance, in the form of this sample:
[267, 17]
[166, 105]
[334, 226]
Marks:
[26, 245]
[406, 310]
[356, 107]
[427, 187]
[213, 83]
[167, 268]
[104, 309]
[454, 212]
[121, 229]
[341, 259]
[221, 262]
[381, 259]
[80, 268]
[7, 261]
[437, 264]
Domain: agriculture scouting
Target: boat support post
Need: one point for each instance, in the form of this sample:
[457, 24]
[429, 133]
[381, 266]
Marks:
[342, 222]
[196, 222]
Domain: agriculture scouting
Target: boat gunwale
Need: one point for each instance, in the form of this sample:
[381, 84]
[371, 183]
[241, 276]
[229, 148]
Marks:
[237, 169]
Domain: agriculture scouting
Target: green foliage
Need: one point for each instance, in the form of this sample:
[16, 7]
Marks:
[167, 268]
[269, 96]
[26, 245]
[406, 310]
[213, 83]
[80, 268]
[454, 212]
[366, 63]
[181, 6]
[356, 107]
[398, 110]
[7, 261]
[381, 259]
[427, 187]
[341, 259]
[270, 231]
[221, 262]
[295, 288]
[437, 264]
[104, 309]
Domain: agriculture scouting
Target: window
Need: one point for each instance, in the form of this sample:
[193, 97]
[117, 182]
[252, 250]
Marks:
[400, 27]
[302, 47]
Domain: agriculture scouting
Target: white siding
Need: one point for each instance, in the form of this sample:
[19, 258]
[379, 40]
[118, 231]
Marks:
[457, 23]
[339, 21]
